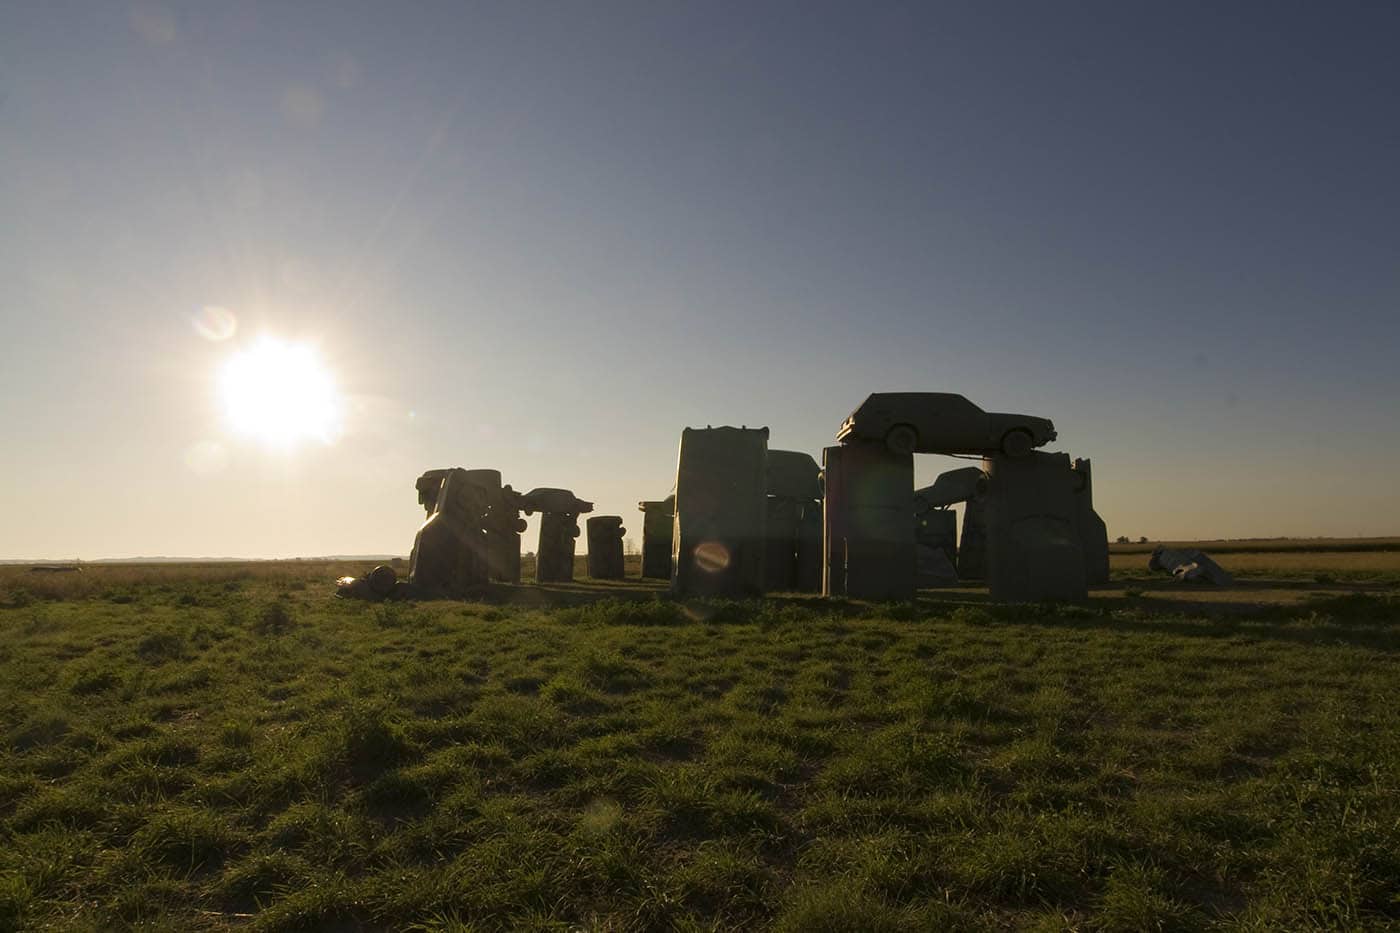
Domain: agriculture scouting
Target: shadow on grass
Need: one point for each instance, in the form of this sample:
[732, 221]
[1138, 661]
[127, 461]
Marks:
[1362, 619]
[1357, 614]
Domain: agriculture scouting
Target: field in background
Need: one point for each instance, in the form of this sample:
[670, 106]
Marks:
[1322, 560]
[214, 746]
[1267, 545]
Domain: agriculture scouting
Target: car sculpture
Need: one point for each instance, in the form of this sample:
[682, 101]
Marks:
[943, 423]
[548, 499]
[950, 488]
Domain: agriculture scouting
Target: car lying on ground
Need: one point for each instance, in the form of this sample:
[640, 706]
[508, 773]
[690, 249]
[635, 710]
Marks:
[943, 423]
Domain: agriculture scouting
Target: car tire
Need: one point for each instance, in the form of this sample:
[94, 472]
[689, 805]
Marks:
[381, 580]
[902, 439]
[1017, 443]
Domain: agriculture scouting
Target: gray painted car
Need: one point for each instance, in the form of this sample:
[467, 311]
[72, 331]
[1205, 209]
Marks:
[943, 423]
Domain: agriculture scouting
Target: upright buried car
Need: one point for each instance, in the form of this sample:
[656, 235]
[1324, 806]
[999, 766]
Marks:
[943, 423]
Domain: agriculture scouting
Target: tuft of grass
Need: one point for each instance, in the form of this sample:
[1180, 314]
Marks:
[275, 618]
[94, 679]
[15, 901]
[258, 878]
[611, 612]
[368, 737]
[971, 615]
[38, 730]
[236, 733]
[842, 908]
[1135, 897]
[165, 644]
[16, 597]
[393, 615]
[185, 839]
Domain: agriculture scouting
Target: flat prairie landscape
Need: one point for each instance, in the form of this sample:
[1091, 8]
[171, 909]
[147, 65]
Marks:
[1322, 560]
[201, 747]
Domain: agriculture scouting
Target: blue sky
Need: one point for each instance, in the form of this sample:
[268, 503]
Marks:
[546, 237]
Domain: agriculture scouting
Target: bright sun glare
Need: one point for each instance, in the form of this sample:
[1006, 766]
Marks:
[280, 394]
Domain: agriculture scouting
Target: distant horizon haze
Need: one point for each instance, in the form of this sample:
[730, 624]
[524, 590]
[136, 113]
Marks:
[266, 263]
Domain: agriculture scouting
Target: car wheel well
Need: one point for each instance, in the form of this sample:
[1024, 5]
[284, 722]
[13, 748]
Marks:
[902, 438]
[1017, 442]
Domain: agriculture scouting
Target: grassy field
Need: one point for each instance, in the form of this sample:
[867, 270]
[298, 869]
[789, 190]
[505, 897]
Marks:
[1328, 566]
[203, 747]
[1268, 545]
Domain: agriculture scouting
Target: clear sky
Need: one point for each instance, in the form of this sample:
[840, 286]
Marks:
[544, 237]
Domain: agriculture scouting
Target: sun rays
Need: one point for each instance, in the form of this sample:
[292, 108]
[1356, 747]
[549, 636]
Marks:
[281, 394]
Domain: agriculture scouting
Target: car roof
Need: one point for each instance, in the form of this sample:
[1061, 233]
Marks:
[916, 397]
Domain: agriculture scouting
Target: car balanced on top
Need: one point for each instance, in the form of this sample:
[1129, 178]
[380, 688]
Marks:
[943, 423]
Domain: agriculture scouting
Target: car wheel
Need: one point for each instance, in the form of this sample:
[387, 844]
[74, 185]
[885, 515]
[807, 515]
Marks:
[902, 439]
[381, 580]
[1017, 442]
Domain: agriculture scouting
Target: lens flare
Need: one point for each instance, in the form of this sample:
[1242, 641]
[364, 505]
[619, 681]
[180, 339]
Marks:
[281, 393]
[206, 457]
[214, 323]
[711, 556]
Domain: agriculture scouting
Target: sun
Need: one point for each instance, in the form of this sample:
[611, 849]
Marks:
[281, 394]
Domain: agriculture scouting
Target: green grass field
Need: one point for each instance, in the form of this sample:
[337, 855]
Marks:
[204, 747]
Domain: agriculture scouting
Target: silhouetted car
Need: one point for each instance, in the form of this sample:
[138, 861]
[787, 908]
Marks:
[548, 499]
[951, 488]
[943, 423]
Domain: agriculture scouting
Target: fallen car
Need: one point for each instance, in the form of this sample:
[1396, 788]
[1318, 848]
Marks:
[943, 423]
[1188, 565]
[950, 488]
